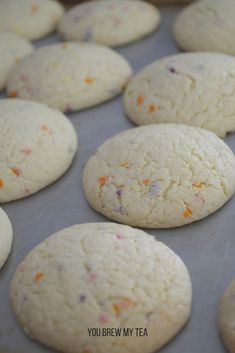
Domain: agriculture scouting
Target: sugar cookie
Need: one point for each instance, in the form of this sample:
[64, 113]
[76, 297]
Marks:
[6, 235]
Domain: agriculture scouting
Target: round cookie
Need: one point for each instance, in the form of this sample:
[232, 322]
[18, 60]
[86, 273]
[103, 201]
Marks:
[110, 23]
[101, 275]
[70, 76]
[31, 19]
[194, 89]
[207, 25]
[227, 317]
[12, 49]
[6, 235]
[160, 176]
[37, 146]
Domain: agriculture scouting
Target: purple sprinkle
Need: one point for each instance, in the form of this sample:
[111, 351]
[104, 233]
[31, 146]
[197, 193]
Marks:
[119, 192]
[82, 298]
[172, 70]
[153, 190]
[120, 210]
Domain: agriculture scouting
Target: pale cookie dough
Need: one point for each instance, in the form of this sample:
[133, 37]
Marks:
[207, 25]
[12, 49]
[110, 23]
[194, 89]
[101, 275]
[70, 76]
[31, 19]
[227, 317]
[37, 146]
[6, 235]
[160, 176]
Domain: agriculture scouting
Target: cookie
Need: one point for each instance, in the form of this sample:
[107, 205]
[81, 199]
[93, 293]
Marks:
[6, 235]
[195, 89]
[101, 275]
[12, 49]
[227, 317]
[160, 176]
[37, 146]
[31, 19]
[70, 76]
[207, 25]
[110, 23]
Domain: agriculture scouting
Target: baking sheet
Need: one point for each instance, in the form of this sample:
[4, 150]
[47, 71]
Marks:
[207, 247]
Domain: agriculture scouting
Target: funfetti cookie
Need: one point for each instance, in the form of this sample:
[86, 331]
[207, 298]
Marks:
[111, 23]
[31, 19]
[207, 25]
[160, 176]
[195, 89]
[6, 235]
[101, 275]
[227, 317]
[37, 146]
[12, 49]
[70, 76]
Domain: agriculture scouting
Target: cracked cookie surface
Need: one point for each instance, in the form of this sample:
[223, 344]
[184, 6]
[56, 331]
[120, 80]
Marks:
[160, 176]
[12, 49]
[101, 275]
[6, 235]
[227, 317]
[37, 146]
[196, 89]
[207, 25]
[110, 23]
[70, 76]
[31, 19]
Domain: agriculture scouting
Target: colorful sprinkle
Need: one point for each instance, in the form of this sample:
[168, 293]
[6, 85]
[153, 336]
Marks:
[93, 277]
[119, 236]
[122, 304]
[125, 165]
[199, 184]
[152, 108]
[64, 45]
[13, 94]
[82, 298]
[140, 100]
[102, 180]
[119, 193]
[34, 9]
[187, 212]
[104, 318]
[38, 276]
[153, 190]
[16, 171]
[172, 70]
[46, 129]
[26, 151]
[89, 80]
[147, 182]
[1, 183]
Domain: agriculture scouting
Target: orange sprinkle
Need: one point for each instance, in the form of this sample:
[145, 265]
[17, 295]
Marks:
[13, 94]
[89, 80]
[140, 100]
[147, 182]
[46, 129]
[64, 45]
[1, 183]
[152, 108]
[199, 184]
[102, 180]
[16, 171]
[187, 212]
[34, 9]
[38, 276]
[122, 304]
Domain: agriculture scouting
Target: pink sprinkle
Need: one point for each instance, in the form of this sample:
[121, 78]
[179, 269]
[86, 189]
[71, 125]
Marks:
[199, 200]
[27, 190]
[26, 151]
[120, 236]
[92, 277]
[104, 318]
